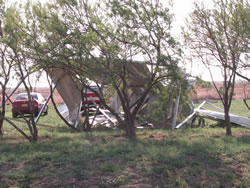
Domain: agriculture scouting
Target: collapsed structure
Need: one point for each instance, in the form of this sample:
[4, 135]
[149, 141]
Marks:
[69, 90]
[215, 115]
[138, 74]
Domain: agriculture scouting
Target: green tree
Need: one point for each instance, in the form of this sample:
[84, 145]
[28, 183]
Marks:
[6, 62]
[246, 92]
[161, 110]
[219, 38]
[5, 66]
[17, 58]
[100, 41]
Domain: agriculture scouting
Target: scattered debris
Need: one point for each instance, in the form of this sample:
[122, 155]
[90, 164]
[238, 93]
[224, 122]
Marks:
[145, 125]
[209, 114]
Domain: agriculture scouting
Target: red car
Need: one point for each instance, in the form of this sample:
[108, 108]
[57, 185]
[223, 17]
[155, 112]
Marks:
[21, 104]
[90, 97]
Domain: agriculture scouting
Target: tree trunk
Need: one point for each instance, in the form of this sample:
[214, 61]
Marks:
[228, 124]
[130, 126]
[1, 124]
[2, 112]
[35, 133]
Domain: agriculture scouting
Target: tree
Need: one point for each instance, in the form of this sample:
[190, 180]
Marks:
[4, 68]
[17, 58]
[6, 64]
[242, 28]
[160, 112]
[246, 92]
[219, 38]
[100, 41]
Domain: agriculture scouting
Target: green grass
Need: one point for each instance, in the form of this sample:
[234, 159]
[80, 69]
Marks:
[237, 108]
[159, 158]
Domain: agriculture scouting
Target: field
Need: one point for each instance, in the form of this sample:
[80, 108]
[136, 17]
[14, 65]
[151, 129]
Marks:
[104, 158]
[237, 108]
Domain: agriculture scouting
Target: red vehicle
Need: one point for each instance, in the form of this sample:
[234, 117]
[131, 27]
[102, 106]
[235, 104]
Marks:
[21, 104]
[90, 97]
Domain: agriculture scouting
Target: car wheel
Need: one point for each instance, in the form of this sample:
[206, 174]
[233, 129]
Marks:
[14, 115]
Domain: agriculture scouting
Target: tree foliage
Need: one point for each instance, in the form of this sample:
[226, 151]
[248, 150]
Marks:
[15, 57]
[219, 37]
[99, 40]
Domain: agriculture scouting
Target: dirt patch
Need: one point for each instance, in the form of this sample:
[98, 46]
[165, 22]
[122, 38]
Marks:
[50, 182]
[156, 136]
[240, 134]
[239, 166]
[7, 167]
[133, 178]
[196, 136]
[15, 140]
[220, 135]
[18, 140]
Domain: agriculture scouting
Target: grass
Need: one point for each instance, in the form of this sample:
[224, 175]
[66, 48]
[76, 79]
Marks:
[159, 158]
[237, 108]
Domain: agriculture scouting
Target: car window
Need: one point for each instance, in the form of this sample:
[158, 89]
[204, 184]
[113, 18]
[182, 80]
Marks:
[34, 96]
[90, 91]
[96, 89]
[22, 96]
[25, 96]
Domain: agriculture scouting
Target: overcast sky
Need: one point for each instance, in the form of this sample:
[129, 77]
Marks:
[181, 10]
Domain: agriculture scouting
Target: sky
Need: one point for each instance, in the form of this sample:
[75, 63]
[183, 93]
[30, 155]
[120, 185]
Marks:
[181, 9]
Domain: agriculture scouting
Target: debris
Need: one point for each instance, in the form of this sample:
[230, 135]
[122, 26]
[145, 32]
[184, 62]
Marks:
[191, 115]
[243, 121]
[145, 125]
